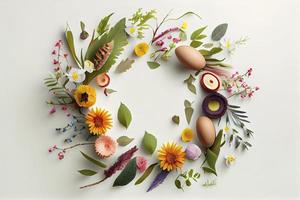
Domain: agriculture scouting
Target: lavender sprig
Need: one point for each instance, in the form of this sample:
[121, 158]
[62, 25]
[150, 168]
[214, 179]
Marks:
[118, 165]
[158, 179]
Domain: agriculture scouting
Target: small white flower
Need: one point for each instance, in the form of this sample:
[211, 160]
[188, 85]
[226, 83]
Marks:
[228, 44]
[88, 66]
[132, 31]
[230, 159]
[76, 75]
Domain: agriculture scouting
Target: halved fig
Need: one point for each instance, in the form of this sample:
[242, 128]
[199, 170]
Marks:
[103, 80]
[210, 82]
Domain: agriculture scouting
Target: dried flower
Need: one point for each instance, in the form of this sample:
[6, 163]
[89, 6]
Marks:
[76, 75]
[132, 31]
[98, 121]
[158, 180]
[171, 156]
[52, 111]
[141, 163]
[141, 49]
[88, 66]
[105, 146]
[193, 152]
[85, 96]
[187, 135]
[230, 159]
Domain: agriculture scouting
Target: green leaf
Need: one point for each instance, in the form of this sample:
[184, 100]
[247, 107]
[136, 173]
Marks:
[109, 91]
[124, 65]
[146, 173]
[190, 79]
[124, 115]
[176, 119]
[204, 52]
[178, 184]
[209, 170]
[219, 32]
[216, 146]
[87, 172]
[187, 103]
[92, 160]
[197, 32]
[82, 25]
[191, 88]
[200, 37]
[215, 50]
[208, 45]
[149, 142]
[196, 43]
[188, 183]
[124, 140]
[103, 25]
[153, 65]
[70, 41]
[191, 172]
[188, 114]
[182, 35]
[211, 159]
[116, 34]
[127, 175]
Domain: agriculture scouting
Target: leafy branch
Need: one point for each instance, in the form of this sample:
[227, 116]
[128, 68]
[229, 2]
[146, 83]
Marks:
[186, 177]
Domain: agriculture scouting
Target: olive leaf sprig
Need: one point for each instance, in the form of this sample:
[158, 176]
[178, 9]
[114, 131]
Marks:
[186, 177]
[190, 83]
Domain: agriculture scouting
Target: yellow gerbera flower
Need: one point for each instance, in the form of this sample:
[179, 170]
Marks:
[99, 121]
[187, 135]
[171, 156]
[85, 96]
[141, 49]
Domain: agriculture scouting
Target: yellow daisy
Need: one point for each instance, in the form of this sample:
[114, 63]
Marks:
[85, 96]
[141, 49]
[187, 135]
[171, 156]
[99, 121]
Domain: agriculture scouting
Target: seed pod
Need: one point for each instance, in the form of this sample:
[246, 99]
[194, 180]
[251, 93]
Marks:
[102, 54]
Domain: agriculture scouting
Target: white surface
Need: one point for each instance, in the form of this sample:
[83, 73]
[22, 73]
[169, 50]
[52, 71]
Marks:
[270, 170]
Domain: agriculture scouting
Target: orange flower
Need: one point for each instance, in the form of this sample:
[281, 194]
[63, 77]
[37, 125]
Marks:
[171, 156]
[85, 96]
[99, 121]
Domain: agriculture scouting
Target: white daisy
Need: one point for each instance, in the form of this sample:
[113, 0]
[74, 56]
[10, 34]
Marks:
[230, 159]
[132, 31]
[88, 66]
[76, 75]
[228, 44]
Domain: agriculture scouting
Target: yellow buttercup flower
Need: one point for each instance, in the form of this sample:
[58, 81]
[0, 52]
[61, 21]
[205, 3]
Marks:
[99, 121]
[85, 96]
[141, 49]
[184, 25]
[171, 156]
[187, 135]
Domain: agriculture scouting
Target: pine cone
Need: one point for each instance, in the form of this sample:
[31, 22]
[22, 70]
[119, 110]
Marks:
[102, 54]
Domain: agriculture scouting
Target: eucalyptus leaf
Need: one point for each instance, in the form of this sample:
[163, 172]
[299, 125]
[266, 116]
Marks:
[149, 142]
[124, 140]
[219, 32]
[87, 172]
[146, 173]
[187, 103]
[124, 115]
[92, 160]
[127, 175]
[191, 88]
[153, 65]
[208, 45]
[178, 184]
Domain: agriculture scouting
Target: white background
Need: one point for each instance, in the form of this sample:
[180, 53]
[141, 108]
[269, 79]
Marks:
[29, 28]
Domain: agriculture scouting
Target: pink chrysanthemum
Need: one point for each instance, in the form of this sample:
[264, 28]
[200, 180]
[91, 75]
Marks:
[141, 163]
[105, 146]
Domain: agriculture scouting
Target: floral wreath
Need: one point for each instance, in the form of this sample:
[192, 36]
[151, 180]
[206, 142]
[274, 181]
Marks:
[70, 90]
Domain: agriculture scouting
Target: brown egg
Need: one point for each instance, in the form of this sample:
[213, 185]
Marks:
[190, 57]
[206, 131]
